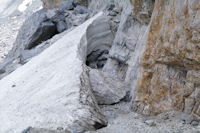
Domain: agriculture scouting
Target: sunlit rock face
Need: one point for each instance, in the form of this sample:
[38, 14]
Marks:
[170, 72]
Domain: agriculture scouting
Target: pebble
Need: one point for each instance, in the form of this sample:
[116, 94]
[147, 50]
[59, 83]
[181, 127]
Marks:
[150, 122]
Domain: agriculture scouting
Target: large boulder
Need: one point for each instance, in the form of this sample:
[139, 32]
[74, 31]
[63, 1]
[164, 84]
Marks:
[107, 89]
[35, 29]
[170, 70]
[38, 28]
[52, 90]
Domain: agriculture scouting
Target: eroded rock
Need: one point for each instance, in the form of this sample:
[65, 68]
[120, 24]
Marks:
[107, 89]
[170, 64]
[99, 38]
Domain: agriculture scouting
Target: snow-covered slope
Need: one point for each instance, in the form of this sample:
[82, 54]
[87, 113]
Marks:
[48, 91]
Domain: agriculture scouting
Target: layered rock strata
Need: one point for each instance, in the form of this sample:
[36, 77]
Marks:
[169, 77]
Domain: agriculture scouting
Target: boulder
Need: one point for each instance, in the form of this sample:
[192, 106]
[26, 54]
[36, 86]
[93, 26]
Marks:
[35, 30]
[61, 26]
[52, 90]
[66, 5]
[107, 89]
[99, 40]
[81, 9]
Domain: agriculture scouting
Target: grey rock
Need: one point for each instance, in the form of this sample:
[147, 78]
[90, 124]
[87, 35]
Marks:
[150, 122]
[98, 58]
[34, 30]
[107, 90]
[61, 26]
[100, 64]
[145, 119]
[60, 15]
[95, 55]
[81, 9]
[45, 31]
[99, 40]
[99, 35]
[195, 123]
[186, 118]
[66, 5]
[51, 13]
[112, 13]
[27, 130]
[111, 6]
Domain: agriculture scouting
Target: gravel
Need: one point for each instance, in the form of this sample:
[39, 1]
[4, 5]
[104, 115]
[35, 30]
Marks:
[8, 33]
[122, 120]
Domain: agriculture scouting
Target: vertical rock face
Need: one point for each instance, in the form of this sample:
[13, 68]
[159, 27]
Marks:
[129, 35]
[169, 77]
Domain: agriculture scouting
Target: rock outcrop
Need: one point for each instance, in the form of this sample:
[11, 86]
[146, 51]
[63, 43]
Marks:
[169, 77]
[123, 34]
[51, 90]
[107, 89]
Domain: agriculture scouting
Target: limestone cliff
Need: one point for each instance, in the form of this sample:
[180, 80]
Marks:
[169, 77]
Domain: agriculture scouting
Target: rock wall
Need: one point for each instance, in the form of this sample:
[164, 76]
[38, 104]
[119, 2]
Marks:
[170, 70]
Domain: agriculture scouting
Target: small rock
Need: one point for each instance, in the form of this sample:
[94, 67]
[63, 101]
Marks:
[111, 6]
[101, 63]
[60, 128]
[81, 9]
[116, 21]
[61, 26]
[150, 122]
[2, 71]
[13, 85]
[145, 119]
[66, 5]
[195, 123]
[60, 15]
[116, 10]
[112, 13]
[27, 130]
[186, 118]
